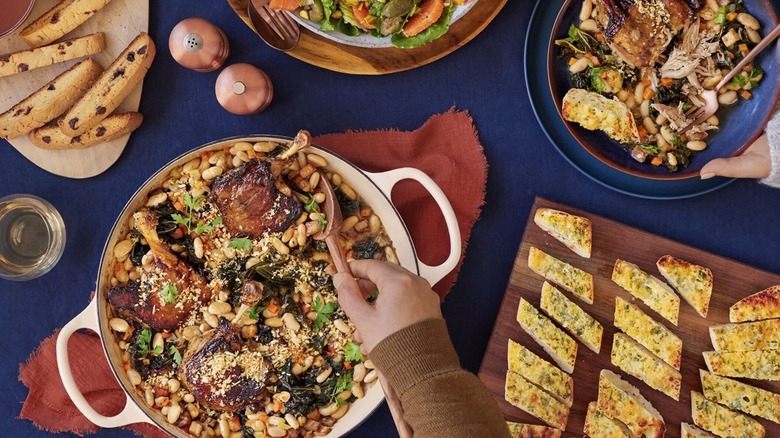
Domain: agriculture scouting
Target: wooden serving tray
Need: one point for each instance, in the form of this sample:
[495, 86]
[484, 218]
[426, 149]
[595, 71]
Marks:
[121, 21]
[612, 240]
[316, 50]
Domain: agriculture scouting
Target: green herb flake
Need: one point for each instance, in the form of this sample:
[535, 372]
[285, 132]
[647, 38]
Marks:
[343, 383]
[352, 352]
[176, 355]
[241, 243]
[144, 341]
[169, 293]
[322, 310]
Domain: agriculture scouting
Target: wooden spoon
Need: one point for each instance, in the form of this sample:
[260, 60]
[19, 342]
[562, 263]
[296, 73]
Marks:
[333, 214]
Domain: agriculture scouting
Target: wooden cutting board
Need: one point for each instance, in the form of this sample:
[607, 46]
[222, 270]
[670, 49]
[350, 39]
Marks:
[612, 240]
[121, 21]
[322, 52]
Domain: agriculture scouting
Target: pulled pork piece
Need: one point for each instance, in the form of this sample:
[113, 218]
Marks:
[686, 57]
[675, 115]
[699, 132]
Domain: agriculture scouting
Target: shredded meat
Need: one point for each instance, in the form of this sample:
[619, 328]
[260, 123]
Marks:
[686, 58]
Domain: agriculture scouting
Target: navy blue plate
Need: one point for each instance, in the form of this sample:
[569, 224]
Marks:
[539, 31]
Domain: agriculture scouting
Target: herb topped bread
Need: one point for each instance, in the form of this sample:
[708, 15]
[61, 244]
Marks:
[595, 112]
[525, 395]
[555, 341]
[574, 280]
[652, 291]
[540, 372]
[692, 282]
[756, 364]
[573, 231]
[746, 336]
[523, 430]
[571, 316]
[648, 332]
[639, 362]
[691, 431]
[760, 305]
[621, 401]
[723, 421]
[598, 425]
[741, 396]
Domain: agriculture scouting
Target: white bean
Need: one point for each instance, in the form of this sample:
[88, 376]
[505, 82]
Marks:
[587, 8]
[357, 390]
[370, 376]
[342, 326]
[156, 199]
[134, 377]
[727, 98]
[639, 91]
[122, 250]
[276, 431]
[697, 145]
[118, 325]
[369, 364]
[753, 36]
[644, 108]
[589, 25]
[211, 173]
[323, 375]
[274, 322]
[197, 245]
[713, 120]
[292, 421]
[290, 322]
[748, 21]
[672, 159]
[359, 373]
[579, 65]
[317, 160]
[173, 413]
[650, 127]
[669, 136]
[328, 410]
[219, 308]
[341, 411]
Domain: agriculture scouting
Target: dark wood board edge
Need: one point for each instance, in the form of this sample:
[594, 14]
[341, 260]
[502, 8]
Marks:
[322, 52]
[612, 240]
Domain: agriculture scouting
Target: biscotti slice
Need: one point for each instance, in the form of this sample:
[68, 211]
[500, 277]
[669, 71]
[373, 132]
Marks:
[639, 362]
[652, 291]
[574, 280]
[691, 431]
[119, 79]
[525, 395]
[757, 335]
[757, 364]
[18, 62]
[112, 127]
[692, 282]
[523, 430]
[555, 341]
[540, 372]
[598, 425]
[760, 305]
[571, 316]
[51, 100]
[573, 231]
[59, 20]
[722, 421]
[741, 396]
[649, 333]
[594, 111]
[621, 401]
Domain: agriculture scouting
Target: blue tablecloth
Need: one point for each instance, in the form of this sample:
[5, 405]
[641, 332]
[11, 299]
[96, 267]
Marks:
[485, 77]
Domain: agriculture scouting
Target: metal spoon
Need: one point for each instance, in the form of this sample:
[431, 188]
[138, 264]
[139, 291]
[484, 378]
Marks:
[275, 27]
[333, 214]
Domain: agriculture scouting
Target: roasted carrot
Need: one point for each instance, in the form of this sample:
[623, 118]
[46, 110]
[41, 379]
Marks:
[430, 11]
[286, 5]
[666, 82]
[731, 16]
[648, 94]
[273, 307]
[656, 161]
[572, 60]
[642, 131]
[360, 11]
[746, 94]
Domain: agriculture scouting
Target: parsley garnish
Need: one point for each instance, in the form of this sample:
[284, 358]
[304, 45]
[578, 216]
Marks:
[145, 341]
[169, 293]
[342, 384]
[193, 204]
[311, 206]
[323, 310]
[352, 352]
[241, 243]
[176, 355]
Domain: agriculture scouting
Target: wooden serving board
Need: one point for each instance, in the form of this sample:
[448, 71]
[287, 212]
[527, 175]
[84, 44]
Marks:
[121, 21]
[612, 240]
[322, 52]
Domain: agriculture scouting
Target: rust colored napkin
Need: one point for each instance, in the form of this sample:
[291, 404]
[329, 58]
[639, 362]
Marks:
[446, 147]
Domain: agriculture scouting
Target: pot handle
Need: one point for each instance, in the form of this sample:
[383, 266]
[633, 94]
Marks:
[88, 319]
[387, 180]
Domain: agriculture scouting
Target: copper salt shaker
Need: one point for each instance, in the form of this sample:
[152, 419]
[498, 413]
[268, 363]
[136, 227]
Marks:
[197, 44]
[244, 89]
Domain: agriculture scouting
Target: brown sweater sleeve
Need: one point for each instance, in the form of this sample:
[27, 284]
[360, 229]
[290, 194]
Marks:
[439, 398]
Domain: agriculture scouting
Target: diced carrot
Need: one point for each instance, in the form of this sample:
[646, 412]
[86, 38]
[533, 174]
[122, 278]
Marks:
[646, 82]
[273, 307]
[746, 94]
[730, 55]
[666, 82]
[595, 61]
[599, 37]
[731, 16]
[648, 94]
[178, 206]
[588, 55]
[642, 131]
[347, 365]
[263, 417]
[430, 11]
[277, 406]
[360, 11]
[126, 366]
[743, 48]
[572, 60]
[165, 335]
[285, 5]
[656, 161]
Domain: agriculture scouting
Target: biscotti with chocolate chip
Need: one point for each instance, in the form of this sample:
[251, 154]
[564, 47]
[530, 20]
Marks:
[50, 101]
[111, 88]
[24, 60]
[59, 20]
[112, 127]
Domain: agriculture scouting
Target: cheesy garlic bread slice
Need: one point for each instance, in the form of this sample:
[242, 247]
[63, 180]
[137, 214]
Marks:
[649, 333]
[540, 372]
[745, 336]
[692, 282]
[525, 395]
[523, 430]
[652, 291]
[639, 362]
[723, 421]
[691, 431]
[621, 401]
[741, 396]
[757, 364]
[573, 231]
[574, 280]
[760, 305]
[571, 316]
[555, 341]
[598, 425]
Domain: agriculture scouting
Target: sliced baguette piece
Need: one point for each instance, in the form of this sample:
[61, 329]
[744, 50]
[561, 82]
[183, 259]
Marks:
[573, 231]
[761, 305]
[571, 279]
[593, 111]
[621, 401]
[741, 396]
[112, 127]
[598, 425]
[560, 346]
[119, 79]
[59, 20]
[639, 362]
[523, 430]
[692, 282]
[652, 291]
[691, 431]
[525, 395]
[722, 421]
[540, 372]
[756, 364]
[649, 333]
[571, 316]
[25, 60]
[51, 100]
[746, 336]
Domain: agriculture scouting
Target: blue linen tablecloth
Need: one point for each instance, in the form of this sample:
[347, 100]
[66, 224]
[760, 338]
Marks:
[485, 77]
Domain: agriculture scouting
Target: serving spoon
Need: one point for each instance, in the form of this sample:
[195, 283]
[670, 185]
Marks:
[333, 214]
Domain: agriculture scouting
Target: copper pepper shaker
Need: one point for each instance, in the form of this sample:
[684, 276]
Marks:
[197, 44]
[244, 89]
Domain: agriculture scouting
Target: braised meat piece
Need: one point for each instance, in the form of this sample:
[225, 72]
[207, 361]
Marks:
[250, 203]
[166, 296]
[638, 31]
[222, 372]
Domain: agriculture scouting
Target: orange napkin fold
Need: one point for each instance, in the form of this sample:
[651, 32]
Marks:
[446, 147]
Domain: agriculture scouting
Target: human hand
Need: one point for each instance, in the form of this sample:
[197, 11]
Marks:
[755, 162]
[404, 299]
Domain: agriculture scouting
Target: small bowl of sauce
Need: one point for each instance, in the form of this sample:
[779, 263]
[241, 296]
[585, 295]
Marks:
[14, 14]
